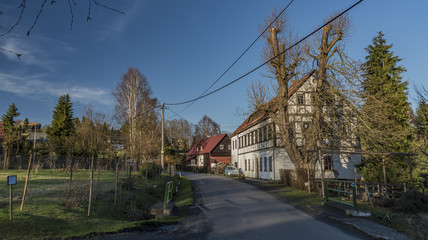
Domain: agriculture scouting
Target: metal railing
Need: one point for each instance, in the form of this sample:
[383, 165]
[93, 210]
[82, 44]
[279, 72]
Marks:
[168, 194]
[340, 190]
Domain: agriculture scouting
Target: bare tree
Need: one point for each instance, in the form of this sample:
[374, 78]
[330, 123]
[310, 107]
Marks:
[135, 110]
[179, 134]
[331, 71]
[286, 67]
[206, 127]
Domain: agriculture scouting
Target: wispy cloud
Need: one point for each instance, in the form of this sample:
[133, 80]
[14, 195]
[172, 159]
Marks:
[33, 87]
[119, 22]
[34, 53]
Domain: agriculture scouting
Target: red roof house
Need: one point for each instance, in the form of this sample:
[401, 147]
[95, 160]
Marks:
[209, 151]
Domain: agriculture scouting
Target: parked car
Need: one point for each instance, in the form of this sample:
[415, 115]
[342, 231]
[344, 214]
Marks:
[231, 171]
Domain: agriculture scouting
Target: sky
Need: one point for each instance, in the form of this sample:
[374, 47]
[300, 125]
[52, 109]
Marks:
[181, 47]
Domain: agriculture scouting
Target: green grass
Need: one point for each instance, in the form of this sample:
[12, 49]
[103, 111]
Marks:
[54, 210]
[393, 219]
[299, 197]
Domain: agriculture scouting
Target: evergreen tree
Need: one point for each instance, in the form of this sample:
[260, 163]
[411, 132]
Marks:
[25, 125]
[8, 118]
[421, 144]
[10, 132]
[386, 111]
[62, 125]
[421, 121]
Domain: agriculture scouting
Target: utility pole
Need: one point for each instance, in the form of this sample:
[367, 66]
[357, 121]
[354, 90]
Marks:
[163, 138]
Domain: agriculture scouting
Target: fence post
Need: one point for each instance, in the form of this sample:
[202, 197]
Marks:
[354, 196]
[325, 185]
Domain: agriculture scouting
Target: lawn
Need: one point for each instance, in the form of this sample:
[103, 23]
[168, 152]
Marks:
[53, 209]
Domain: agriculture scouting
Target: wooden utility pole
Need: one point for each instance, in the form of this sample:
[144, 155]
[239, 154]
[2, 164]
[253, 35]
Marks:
[90, 184]
[115, 183]
[163, 136]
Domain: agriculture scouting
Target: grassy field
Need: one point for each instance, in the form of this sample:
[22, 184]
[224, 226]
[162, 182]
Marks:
[53, 209]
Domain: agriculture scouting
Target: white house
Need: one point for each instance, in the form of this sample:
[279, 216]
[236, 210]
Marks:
[256, 143]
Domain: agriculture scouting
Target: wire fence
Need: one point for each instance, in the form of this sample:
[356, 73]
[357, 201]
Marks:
[379, 193]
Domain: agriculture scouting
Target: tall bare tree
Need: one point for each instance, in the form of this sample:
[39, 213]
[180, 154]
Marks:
[135, 110]
[287, 66]
[330, 65]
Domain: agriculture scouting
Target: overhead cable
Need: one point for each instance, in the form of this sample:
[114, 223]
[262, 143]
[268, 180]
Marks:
[274, 57]
[246, 50]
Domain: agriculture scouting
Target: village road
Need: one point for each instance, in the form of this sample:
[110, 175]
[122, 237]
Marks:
[226, 208]
[236, 210]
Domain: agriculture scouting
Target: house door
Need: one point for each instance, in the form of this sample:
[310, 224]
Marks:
[256, 165]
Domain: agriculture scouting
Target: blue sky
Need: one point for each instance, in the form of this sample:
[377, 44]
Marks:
[180, 46]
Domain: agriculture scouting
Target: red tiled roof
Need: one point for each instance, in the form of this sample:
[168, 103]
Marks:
[259, 115]
[221, 159]
[206, 145]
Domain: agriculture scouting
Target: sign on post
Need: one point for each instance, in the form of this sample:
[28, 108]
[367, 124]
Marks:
[11, 180]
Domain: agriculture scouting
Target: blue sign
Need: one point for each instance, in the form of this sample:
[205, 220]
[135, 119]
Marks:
[11, 180]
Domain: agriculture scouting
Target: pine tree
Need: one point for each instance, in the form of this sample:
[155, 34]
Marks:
[62, 124]
[9, 132]
[8, 118]
[421, 121]
[386, 111]
[421, 144]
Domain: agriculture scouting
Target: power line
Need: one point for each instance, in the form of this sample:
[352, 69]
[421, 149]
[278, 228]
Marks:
[242, 54]
[261, 65]
[176, 114]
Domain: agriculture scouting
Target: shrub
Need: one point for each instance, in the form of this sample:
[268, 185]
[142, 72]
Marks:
[412, 202]
[149, 170]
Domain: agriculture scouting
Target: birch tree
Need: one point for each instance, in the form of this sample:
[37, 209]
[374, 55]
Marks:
[135, 110]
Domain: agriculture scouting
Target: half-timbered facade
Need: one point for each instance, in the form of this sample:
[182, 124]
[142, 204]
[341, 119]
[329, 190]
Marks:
[257, 148]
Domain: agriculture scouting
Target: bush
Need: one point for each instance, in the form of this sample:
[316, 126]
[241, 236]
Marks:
[149, 170]
[412, 202]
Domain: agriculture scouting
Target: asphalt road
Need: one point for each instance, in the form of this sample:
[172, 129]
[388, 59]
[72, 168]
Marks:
[229, 209]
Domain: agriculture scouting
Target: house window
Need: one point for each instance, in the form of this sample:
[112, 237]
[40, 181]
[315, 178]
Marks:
[270, 164]
[245, 164]
[228, 147]
[252, 169]
[250, 136]
[221, 146]
[260, 135]
[328, 163]
[261, 165]
[265, 163]
[266, 132]
[300, 99]
[306, 125]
